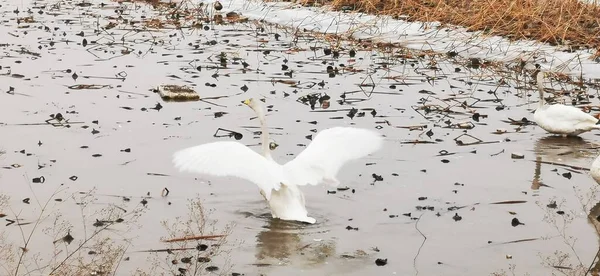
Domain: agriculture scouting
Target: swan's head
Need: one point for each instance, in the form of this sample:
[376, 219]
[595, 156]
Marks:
[248, 102]
[252, 103]
[255, 105]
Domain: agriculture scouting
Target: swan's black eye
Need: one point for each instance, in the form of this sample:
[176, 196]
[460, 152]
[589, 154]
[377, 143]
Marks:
[237, 136]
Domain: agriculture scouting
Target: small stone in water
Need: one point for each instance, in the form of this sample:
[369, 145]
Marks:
[381, 262]
[517, 155]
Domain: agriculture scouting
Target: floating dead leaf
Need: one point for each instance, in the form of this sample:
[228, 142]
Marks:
[292, 83]
[517, 155]
[154, 23]
[234, 17]
[88, 86]
[171, 92]
[465, 125]
[28, 19]
[411, 128]
[523, 122]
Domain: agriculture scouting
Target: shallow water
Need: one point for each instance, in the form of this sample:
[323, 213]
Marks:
[127, 64]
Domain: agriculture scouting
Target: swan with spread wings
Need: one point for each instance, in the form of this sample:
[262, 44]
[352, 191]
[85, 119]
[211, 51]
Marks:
[319, 163]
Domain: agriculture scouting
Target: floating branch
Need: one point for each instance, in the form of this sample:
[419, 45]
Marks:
[193, 238]
[510, 202]
[228, 133]
[562, 165]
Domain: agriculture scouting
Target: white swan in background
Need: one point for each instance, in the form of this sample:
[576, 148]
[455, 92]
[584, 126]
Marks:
[561, 119]
[318, 163]
[595, 170]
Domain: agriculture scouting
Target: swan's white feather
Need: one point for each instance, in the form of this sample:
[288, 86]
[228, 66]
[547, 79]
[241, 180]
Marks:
[230, 158]
[563, 119]
[328, 152]
[318, 163]
[595, 170]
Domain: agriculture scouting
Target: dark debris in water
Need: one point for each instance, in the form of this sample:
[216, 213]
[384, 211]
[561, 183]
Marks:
[381, 262]
[108, 61]
[515, 222]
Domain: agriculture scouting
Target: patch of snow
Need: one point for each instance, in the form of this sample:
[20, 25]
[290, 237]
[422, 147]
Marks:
[418, 35]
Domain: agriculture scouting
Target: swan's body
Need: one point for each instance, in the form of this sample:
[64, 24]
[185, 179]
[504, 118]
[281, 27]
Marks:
[318, 163]
[562, 119]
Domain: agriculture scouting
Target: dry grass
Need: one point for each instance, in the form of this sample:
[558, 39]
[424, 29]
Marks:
[99, 246]
[558, 22]
[184, 256]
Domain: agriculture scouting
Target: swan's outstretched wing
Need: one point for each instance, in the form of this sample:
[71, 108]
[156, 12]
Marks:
[329, 150]
[231, 159]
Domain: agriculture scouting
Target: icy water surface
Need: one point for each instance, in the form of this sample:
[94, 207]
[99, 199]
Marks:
[441, 198]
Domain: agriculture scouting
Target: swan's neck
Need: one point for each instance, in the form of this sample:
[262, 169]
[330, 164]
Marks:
[264, 135]
[540, 85]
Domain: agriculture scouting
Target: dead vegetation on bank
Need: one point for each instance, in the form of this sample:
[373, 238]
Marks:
[188, 14]
[570, 23]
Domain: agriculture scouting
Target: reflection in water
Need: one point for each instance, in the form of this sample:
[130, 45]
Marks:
[594, 219]
[279, 240]
[282, 240]
[558, 149]
[568, 151]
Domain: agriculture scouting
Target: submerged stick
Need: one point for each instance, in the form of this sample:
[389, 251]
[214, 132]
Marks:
[521, 240]
[563, 165]
[208, 237]
[510, 202]
[164, 250]
[43, 124]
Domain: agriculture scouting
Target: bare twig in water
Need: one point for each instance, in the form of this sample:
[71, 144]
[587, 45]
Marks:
[563, 165]
[592, 263]
[40, 218]
[165, 250]
[510, 202]
[420, 247]
[498, 153]
[521, 240]
[208, 237]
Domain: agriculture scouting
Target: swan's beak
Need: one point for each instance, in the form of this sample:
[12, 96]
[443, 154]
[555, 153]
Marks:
[246, 102]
